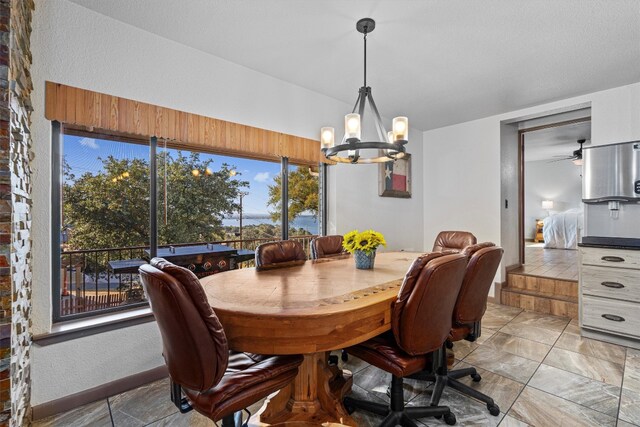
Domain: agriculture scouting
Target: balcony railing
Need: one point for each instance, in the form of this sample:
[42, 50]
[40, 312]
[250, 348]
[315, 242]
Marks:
[87, 287]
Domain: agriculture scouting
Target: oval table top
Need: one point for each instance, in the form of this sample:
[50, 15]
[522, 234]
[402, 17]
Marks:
[321, 305]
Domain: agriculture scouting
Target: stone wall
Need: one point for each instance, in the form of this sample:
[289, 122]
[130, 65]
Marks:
[5, 219]
[15, 211]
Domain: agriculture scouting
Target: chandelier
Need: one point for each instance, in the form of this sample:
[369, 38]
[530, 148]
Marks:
[390, 145]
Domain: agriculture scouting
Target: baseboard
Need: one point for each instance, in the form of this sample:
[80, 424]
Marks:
[497, 291]
[100, 392]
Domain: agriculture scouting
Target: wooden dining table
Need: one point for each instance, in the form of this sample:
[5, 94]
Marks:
[309, 309]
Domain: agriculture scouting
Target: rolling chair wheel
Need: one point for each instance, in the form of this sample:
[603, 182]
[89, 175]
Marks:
[344, 356]
[350, 409]
[476, 378]
[333, 360]
[493, 409]
[450, 418]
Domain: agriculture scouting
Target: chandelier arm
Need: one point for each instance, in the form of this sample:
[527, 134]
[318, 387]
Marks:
[382, 132]
[363, 97]
[357, 102]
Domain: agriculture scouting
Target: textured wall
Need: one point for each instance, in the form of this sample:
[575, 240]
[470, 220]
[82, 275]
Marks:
[15, 211]
[5, 219]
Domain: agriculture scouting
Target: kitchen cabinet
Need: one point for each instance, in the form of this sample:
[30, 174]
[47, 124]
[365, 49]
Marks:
[610, 294]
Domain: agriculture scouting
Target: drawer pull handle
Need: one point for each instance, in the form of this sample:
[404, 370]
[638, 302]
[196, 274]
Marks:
[612, 258]
[613, 317]
[615, 285]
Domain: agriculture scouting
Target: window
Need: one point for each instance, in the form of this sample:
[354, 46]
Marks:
[200, 199]
[104, 217]
[303, 201]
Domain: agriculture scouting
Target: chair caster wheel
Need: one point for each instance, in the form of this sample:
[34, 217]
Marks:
[450, 419]
[476, 378]
[344, 356]
[333, 360]
[449, 345]
[493, 409]
[350, 409]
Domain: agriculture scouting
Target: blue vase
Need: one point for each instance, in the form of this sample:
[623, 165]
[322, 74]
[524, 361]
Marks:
[364, 261]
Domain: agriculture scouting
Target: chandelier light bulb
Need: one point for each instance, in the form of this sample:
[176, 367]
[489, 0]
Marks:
[400, 129]
[327, 137]
[352, 125]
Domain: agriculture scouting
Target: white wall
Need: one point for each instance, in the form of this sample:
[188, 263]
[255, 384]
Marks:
[77, 47]
[462, 164]
[560, 182]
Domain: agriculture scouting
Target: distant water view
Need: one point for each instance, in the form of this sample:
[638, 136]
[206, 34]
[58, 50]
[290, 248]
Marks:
[307, 222]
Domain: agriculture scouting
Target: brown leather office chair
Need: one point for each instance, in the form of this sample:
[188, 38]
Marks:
[453, 241]
[484, 259]
[327, 246]
[217, 383]
[420, 324]
[284, 253]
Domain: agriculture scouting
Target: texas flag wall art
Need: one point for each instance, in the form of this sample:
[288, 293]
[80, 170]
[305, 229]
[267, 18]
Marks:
[396, 179]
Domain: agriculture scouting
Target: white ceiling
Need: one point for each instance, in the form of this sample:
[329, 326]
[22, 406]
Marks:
[555, 143]
[439, 62]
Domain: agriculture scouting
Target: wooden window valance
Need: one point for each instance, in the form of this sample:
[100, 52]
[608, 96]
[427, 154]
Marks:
[121, 116]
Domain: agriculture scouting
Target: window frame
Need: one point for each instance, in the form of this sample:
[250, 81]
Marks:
[57, 139]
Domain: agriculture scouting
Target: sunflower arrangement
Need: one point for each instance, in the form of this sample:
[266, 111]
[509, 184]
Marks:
[367, 241]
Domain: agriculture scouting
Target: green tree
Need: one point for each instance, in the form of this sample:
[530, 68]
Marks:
[303, 194]
[110, 208]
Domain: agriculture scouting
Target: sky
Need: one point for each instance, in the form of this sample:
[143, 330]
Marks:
[83, 155]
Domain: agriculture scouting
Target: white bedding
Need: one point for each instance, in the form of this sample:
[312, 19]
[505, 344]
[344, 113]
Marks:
[563, 229]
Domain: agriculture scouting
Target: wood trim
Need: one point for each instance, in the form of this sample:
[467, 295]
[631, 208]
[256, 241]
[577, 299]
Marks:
[558, 124]
[100, 392]
[521, 184]
[111, 114]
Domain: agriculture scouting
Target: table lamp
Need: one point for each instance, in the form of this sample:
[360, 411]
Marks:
[547, 205]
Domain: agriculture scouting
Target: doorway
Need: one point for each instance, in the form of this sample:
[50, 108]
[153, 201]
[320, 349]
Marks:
[551, 211]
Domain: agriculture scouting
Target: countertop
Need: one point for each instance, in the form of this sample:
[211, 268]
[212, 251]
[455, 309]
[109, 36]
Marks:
[610, 243]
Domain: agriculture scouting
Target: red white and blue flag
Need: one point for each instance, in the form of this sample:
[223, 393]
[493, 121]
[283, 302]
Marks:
[395, 175]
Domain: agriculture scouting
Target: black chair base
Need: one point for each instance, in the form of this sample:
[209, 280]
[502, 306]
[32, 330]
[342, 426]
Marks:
[333, 359]
[396, 413]
[450, 378]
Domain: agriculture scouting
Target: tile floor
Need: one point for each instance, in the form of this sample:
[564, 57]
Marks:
[536, 367]
[553, 263]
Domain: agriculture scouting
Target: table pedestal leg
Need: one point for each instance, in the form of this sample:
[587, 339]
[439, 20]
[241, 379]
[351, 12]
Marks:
[314, 397]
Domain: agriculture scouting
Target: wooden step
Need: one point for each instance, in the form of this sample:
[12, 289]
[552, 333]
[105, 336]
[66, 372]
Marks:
[541, 294]
[540, 302]
[543, 285]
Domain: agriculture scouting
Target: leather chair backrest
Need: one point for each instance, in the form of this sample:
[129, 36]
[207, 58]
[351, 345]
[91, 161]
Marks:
[326, 246]
[279, 254]
[194, 344]
[453, 241]
[484, 259]
[421, 316]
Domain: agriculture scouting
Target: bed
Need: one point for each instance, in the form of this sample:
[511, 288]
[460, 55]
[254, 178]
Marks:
[562, 230]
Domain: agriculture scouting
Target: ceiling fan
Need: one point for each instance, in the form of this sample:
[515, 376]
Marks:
[575, 157]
